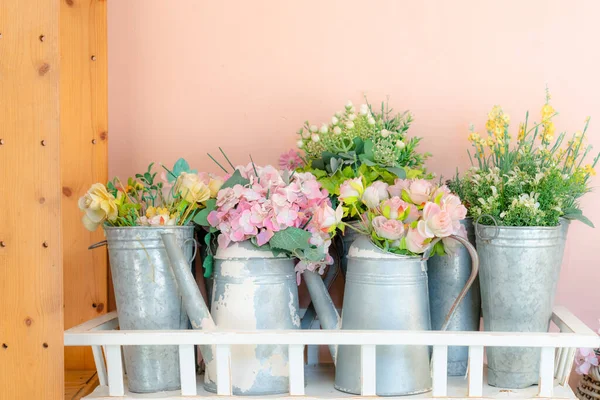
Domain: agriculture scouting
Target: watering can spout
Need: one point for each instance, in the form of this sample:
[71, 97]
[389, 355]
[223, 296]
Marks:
[193, 302]
[328, 315]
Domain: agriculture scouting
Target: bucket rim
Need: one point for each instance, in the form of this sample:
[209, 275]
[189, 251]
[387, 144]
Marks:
[146, 228]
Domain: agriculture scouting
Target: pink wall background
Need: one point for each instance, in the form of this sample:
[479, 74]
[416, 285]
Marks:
[188, 76]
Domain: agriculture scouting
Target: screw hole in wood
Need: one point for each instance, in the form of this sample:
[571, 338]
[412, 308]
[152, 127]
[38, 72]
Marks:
[4, 346]
[93, 58]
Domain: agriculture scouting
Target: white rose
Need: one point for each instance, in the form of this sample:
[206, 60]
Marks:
[300, 144]
[385, 133]
[323, 128]
[313, 128]
[337, 130]
[400, 144]
[349, 124]
[371, 121]
[315, 138]
[334, 120]
[352, 117]
[364, 109]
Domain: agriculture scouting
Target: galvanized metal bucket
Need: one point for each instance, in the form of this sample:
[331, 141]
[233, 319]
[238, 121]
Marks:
[253, 289]
[520, 267]
[346, 240]
[147, 298]
[385, 292]
[447, 276]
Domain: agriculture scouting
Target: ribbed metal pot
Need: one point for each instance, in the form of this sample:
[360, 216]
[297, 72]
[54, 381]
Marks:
[385, 292]
[253, 289]
[447, 276]
[520, 267]
[346, 240]
[147, 298]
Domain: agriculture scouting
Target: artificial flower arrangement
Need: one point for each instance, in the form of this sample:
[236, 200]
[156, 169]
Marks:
[369, 144]
[144, 201]
[410, 217]
[534, 182]
[279, 210]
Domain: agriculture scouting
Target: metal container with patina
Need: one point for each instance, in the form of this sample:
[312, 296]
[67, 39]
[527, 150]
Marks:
[520, 267]
[385, 291]
[346, 240]
[447, 276]
[253, 289]
[147, 298]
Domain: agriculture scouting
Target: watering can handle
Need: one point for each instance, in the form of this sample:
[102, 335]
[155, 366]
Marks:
[472, 277]
[195, 248]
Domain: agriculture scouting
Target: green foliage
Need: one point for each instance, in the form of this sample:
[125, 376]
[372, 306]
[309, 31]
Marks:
[235, 179]
[290, 240]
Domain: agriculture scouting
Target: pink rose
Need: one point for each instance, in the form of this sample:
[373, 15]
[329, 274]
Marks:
[452, 205]
[420, 191]
[394, 208]
[437, 222]
[375, 193]
[391, 229]
[326, 219]
[415, 242]
[351, 190]
[398, 186]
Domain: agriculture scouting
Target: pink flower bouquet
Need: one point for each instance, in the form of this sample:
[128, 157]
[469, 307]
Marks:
[408, 217]
[286, 212]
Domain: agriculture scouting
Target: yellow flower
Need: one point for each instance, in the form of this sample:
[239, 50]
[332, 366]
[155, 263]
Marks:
[506, 119]
[521, 134]
[569, 161]
[192, 189]
[98, 206]
[499, 132]
[214, 185]
[151, 212]
[548, 132]
[496, 111]
[490, 125]
[547, 112]
[490, 142]
[589, 170]
[474, 137]
[560, 154]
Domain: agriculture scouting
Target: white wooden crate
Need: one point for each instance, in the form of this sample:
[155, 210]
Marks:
[557, 355]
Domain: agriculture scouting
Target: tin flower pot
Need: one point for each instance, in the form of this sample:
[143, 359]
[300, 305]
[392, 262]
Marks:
[519, 272]
[147, 299]
[448, 275]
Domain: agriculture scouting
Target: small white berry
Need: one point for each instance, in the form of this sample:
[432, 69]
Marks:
[339, 114]
[313, 128]
[364, 109]
[315, 138]
[349, 124]
[305, 135]
[400, 144]
[371, 121]
[334, 120]
[323, 128]
[300, 144]
[349, 104]
[385, 133]
[337, 130]
[352, 117]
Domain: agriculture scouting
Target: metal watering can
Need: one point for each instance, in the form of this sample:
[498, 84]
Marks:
[252, 289]
[383, 291]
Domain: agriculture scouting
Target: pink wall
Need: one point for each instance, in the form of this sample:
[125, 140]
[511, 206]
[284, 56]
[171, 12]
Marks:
[187, 76]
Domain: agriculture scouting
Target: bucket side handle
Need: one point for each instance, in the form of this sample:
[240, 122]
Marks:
[96, 245]
[480, 234]
[195, 248]
[472, 277]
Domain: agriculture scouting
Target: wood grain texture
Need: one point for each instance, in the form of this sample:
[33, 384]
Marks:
[31, 280]
[84, 161]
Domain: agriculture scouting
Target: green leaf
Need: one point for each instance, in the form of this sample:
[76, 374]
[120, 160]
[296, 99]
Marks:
[207, 238]
[369, 150]
[314, 254]
[398, 171]
[290, 239]
[318, 173]
[235, 179]
[318, 164]
[208, 265]
[580, 217]
[180, 166]
[201, 217]
[363, 158]
[359, 145]
[348, 172]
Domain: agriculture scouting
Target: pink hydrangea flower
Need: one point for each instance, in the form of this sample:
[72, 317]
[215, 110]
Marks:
[585, 359]
[290, 160]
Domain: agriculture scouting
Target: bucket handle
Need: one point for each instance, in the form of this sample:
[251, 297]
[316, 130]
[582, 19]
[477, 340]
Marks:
[195, 248]
[96, 245]
[472, 277]
[496, 228]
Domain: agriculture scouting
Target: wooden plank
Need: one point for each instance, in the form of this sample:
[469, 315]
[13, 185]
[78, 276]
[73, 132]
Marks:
[31, 313]
[187, 369]
[84, 161]
[368, 370]
[567, 322]
[546, 383]
[296, 366]
[79, 383]
[223, 370]
[475, 371]
[440, 371]
[114, 365]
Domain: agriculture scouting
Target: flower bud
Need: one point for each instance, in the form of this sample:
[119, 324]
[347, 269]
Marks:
[385, 133]
[323, 128]
[352, 117]
[334, 120]
[371, 121]
[313, 128]
[300, 144]
[364, 109]
[315, 138]
[337, 130]
[400, 144]
[349, 124]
